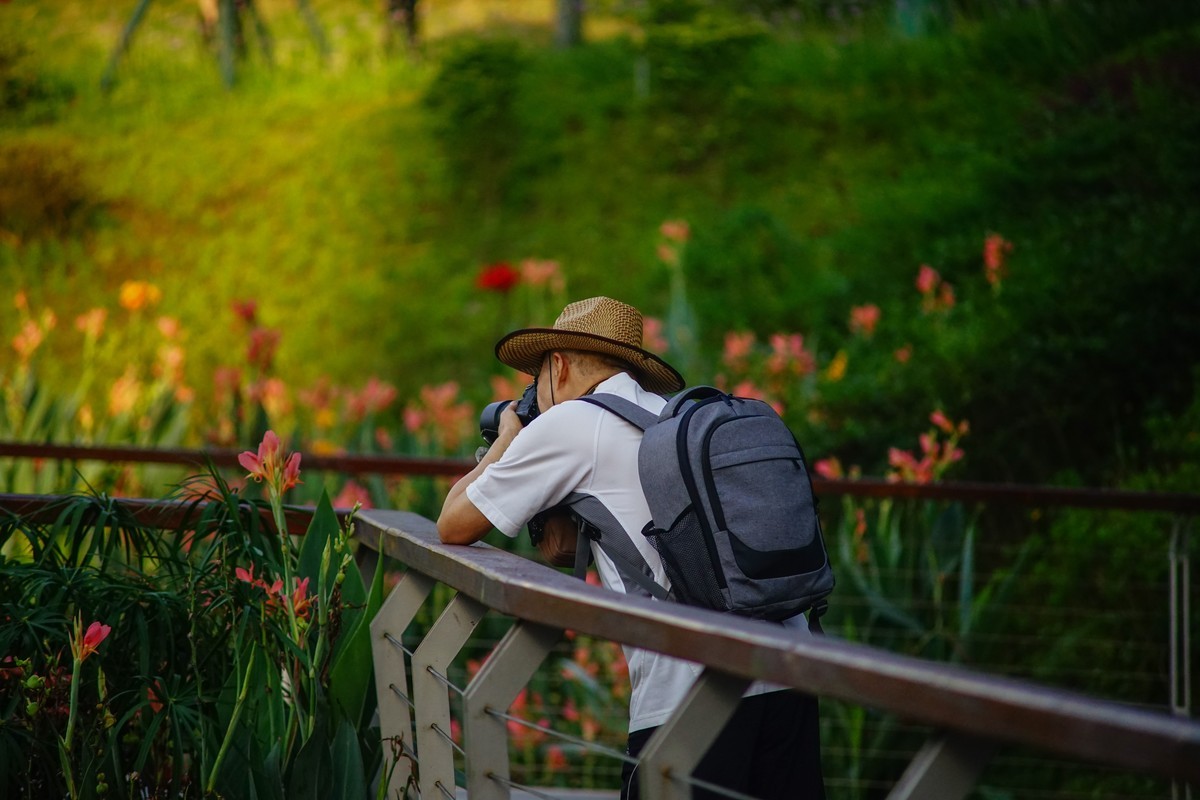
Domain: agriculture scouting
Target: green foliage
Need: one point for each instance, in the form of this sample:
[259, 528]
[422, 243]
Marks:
[199, 707]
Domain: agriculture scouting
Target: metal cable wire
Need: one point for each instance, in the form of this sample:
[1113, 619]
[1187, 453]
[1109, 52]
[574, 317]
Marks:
[444, 681]
[399, 644]
[402, 696]
[522, 787]
[445, 792]
[566, 737]
[712, 787]
[438, 730]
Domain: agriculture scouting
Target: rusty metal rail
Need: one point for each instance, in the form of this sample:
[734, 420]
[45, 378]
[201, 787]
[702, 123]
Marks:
[963, 491]
[972, 714]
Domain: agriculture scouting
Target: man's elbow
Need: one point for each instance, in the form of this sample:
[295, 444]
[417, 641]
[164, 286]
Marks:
[454, 528]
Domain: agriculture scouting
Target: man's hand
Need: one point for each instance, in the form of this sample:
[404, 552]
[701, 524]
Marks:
[460, 521]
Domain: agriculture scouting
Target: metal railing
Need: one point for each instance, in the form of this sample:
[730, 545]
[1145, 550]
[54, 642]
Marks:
[972, 714]
[381, 532]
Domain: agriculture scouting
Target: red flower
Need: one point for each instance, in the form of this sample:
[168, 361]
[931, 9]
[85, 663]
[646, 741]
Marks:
[864, 318]
[499, 277]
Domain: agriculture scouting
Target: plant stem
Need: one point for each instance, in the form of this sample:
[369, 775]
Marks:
[233, 721]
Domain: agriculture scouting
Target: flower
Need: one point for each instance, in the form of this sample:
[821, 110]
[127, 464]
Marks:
[499, 277]
[301, 600]
[270, 465]
[543, 272]
[246, 310]
[829, 468]
[737, 347]
[86, 643]
[864, 318]
[352, 494]
[927, 279]
[675, 230]
[936, 294]
[837, 367]
[903, 354]
[995, 249]
[91, 324]
[652, 335]
[263, 344]
[789, 355]
[135, 295]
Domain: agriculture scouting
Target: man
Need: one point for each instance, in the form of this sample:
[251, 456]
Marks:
[770, 749]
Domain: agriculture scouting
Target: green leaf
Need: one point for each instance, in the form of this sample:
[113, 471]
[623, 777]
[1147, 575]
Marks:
[349, 780]
[322, 529]
[311, 770]
[351, 676]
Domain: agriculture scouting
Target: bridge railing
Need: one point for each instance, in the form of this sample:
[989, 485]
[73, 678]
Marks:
[972, 714]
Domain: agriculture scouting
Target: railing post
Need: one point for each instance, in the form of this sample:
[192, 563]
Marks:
[391, 674]
[503, 675]
[430, 662]
[677, 747]
[1180, 633]
[946, 768]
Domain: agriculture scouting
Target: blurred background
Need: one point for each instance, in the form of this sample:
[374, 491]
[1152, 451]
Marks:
[865, 211]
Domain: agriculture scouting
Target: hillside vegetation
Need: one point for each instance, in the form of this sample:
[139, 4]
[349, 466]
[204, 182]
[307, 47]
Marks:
[818, 166]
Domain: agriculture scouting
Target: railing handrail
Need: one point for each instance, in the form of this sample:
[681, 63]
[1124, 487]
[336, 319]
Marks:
[963, 491]
[940, 695]
[161, 514]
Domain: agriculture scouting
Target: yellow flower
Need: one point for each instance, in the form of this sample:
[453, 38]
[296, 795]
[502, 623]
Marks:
[837, 368]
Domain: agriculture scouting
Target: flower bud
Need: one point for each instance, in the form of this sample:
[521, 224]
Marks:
[34, 682]
[31, 709]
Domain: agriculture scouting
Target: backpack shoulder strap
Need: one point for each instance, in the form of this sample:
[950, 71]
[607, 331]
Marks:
[598, 524]
[627, 410]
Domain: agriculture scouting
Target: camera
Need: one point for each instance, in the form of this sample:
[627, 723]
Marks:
[527, 410]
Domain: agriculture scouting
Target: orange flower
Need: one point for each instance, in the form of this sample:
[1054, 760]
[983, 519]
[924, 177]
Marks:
[135, 295]
[995, 249]
[675, 230]
[301, 600]
[737, 347]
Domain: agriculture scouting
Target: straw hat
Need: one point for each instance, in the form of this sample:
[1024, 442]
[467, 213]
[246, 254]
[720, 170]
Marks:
[596, 325]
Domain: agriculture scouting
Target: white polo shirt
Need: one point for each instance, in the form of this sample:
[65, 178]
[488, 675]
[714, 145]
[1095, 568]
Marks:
[579, 447]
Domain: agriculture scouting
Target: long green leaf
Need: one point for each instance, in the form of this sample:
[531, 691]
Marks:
[350, 679]
[349, 779]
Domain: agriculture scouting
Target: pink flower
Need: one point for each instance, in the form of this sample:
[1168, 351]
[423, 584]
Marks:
[498, 277]
[92, 323]
[675, 230]
[538, 272]
[927, 279]
[270, 464]
[789, 355]
[652, 335]
[830, 468]
[85, 644]
[737, 348]
[941, 421]
[352, 493]
[995, 249]
[903, 354]
[863, 319]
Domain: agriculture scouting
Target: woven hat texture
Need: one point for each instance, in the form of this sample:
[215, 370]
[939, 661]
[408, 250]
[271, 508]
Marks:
[595, 325]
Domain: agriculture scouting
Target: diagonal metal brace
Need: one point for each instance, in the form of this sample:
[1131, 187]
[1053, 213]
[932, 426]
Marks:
[947, 767]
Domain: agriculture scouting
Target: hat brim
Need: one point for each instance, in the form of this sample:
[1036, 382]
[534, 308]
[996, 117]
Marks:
[524, 350]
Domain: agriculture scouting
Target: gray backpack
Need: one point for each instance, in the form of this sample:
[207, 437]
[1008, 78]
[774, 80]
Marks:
[733, 514]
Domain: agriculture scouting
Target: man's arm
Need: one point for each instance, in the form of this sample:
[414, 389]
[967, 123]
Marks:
[460, 521]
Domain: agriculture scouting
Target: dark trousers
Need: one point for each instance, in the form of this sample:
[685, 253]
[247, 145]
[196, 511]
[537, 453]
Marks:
[770, 749]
